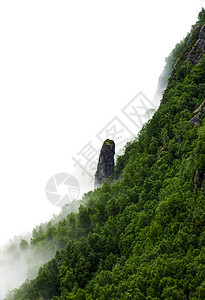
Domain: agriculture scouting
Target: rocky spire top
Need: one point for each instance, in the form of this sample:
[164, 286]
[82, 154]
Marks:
[106, 162]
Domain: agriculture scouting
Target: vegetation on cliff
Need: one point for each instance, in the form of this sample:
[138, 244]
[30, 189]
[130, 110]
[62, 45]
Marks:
[142, 237]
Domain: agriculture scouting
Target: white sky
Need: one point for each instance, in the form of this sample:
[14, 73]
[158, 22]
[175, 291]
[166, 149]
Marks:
[66, 69]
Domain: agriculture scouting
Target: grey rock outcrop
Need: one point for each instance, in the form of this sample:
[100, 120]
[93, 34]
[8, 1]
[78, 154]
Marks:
[198, 50]
[165, 148]
[193, 51]
[203, 183]
[196, 28]
[197, 119]
[200, 107]
[198, 115]
[106, 162]
[199, 180]
[202, 32]
[196, 177]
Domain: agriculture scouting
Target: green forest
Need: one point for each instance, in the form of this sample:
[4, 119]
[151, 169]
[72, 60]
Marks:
[141, 235]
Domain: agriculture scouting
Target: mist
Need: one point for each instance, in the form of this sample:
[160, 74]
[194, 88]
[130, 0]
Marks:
[18, 265]
[67, 70]
[13, 266]
[21, 258]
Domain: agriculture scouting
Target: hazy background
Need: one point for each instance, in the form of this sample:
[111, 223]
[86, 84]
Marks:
[66, 69]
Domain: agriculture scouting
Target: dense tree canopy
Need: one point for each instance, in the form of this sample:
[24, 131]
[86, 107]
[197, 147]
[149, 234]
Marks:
[142, 236]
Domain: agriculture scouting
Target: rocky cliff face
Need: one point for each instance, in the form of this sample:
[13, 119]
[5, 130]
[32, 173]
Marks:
[106, 162]
[191, 49]
[198, 49]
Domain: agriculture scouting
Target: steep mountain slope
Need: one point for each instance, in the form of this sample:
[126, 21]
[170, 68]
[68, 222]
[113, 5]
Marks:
[143, 237]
